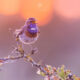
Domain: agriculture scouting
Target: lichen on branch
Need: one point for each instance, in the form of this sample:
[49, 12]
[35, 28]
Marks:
[28, 34]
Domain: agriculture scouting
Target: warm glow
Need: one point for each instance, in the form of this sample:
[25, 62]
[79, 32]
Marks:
[68, 8]
[40, 9]
[9, 7]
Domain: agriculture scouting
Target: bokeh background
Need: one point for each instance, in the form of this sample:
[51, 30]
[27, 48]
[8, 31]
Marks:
[59, 41]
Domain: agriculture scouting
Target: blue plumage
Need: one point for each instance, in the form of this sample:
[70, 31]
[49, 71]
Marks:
[29, 33]
[32, 28]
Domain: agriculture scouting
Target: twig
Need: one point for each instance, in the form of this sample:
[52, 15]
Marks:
[26, 58]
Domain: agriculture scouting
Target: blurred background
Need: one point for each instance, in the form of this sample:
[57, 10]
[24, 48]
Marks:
[59, 41]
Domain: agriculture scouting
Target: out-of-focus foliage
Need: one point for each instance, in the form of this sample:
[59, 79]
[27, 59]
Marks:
[57, 74]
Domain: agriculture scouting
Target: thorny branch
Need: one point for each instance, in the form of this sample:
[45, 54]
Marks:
[23, 56]
[48, 72]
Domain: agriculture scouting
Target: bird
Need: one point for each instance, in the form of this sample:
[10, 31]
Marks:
[29, 33]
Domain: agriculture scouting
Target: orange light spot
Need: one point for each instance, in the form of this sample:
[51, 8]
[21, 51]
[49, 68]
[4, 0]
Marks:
[68, 8]
[40, 9]
[9, 7]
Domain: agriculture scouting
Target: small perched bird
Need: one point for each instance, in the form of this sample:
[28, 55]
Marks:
[29, 33]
